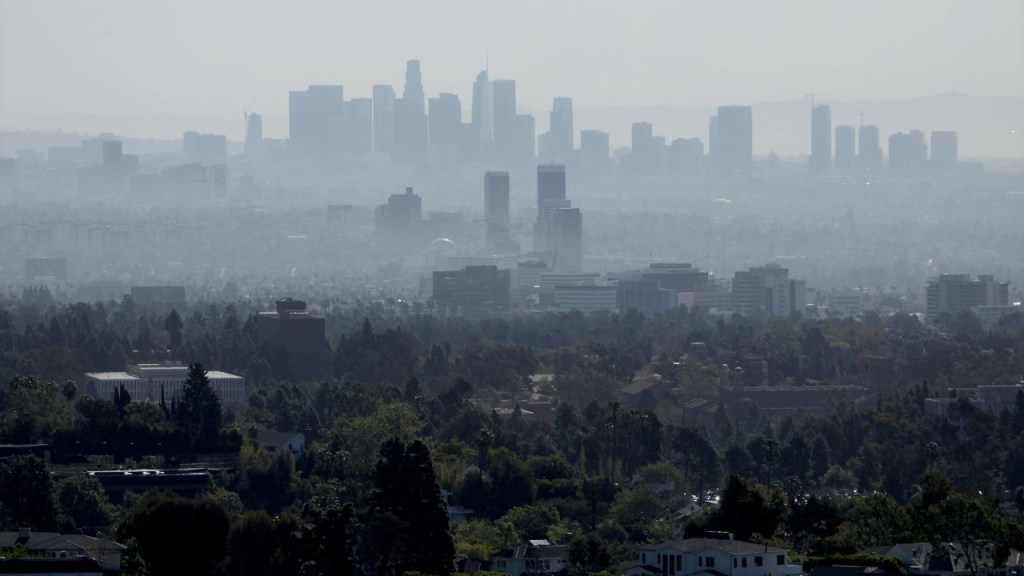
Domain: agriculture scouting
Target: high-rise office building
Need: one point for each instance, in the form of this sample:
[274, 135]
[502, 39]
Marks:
[642, 136]
[821, 139]
[483, 112]
[253, 134]
[956, 293]
[749, 287]
[908, 153]
[383, 119]
[413, 88]
[559, 141]
[503, 94]
[787, 298]
[732, 139]
[112, 152]
[944, 152]
[686, 155]
[869, 150]
[497, 188]
[205, 149]
[314, 115]
[713, 144]
[846, 148]
[474, 288]
[358, 130]
[567, 239]
[645, 296]
[398, 222]
[550, 197]
[445, 116]
[643, 147]
[595, 149]
[299, 335]
[525, 139]
[679, 277]
[410, 117]
[550, 183]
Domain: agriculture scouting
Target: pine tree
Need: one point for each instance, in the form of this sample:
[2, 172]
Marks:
[198, 411]
[26, 494]
[326, 542]
[409, 498]
[163, 402]
[173, 325]
[122, 399]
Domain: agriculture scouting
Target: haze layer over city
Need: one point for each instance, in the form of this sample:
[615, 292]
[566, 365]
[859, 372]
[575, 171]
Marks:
[525, 287]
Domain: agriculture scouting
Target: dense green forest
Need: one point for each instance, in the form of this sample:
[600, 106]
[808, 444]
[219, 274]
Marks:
[404, 421]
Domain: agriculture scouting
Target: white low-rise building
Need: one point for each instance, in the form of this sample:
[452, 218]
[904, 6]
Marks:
[153, 381]
[719, 556]
[991, 315]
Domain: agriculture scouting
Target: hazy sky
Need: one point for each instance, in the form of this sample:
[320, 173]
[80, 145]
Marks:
[201, 58]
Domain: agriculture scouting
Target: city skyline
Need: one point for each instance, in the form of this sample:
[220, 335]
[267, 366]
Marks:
[652, 63]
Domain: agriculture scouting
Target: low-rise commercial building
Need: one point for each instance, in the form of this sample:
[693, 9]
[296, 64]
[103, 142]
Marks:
[158, 382]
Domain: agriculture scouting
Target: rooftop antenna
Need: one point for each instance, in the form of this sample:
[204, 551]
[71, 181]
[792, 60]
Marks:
[245, 112]
[861, 114]
[811, 96]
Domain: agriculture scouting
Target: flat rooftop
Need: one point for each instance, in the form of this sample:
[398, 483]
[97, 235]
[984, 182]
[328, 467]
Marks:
[110, 376]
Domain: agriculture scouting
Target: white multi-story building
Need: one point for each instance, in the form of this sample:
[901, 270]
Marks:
[956, 293]
[845, 303]
[724, 556]
[787, 297]
[151, 381]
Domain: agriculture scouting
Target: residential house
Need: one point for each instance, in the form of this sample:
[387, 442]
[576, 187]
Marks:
[533, 557]
[951, 559]
[275, 442]
[53, 546]
[845, 570]
[47, 567]
[912, 555]
[713, 556]
[646, 391]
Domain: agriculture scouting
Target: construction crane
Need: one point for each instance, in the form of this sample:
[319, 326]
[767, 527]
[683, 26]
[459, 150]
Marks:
[811, 96]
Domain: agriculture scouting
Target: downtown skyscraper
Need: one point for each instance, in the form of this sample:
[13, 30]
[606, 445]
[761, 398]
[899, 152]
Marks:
[503, 102]
[869, 150]
[483, 113]
[315, 119]
[550, 197]
[383, 119]
[497, 215]
[846, 148]
[558, 143]
[821, 139]
[731, 140]
[410, 117]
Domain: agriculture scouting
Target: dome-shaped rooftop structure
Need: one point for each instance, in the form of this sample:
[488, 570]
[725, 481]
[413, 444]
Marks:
[442, 244]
